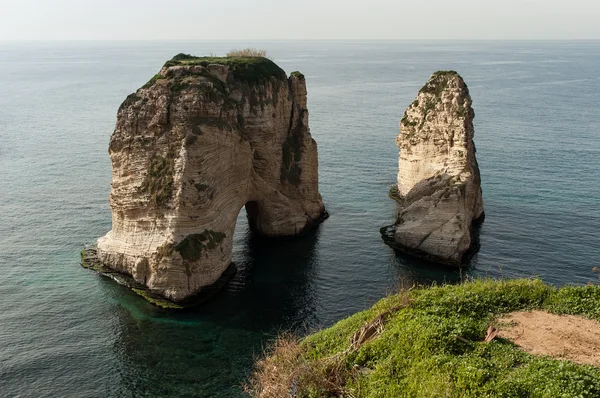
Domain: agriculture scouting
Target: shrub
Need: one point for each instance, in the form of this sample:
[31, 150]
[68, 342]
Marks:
[287, 373]
[248, 53]
[158, 182]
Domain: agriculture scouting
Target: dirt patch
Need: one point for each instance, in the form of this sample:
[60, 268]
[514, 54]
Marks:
[561, 336]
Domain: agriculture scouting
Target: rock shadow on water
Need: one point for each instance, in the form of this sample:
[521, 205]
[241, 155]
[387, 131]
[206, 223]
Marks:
[417, 269]
[437, 192]
[275, 281]
[208, 350]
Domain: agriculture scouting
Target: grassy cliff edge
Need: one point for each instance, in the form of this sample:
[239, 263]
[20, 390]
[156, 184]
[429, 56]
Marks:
[428, 342]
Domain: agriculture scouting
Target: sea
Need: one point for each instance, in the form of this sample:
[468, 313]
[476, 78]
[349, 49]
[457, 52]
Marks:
[68, 332]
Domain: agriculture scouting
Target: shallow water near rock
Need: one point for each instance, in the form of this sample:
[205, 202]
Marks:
[66, 332]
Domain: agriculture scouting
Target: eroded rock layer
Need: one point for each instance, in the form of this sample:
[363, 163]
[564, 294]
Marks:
[439, 184]
[203, 138]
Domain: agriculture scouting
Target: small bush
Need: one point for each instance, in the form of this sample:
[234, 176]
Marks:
[287, 373]
[248, 53]
[158, 182]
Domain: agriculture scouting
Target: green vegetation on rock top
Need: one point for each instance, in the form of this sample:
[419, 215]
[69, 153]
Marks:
[248, 69]
[428, 342]
[438, 82]
[154, 78]
[446, 73]
[297, 75]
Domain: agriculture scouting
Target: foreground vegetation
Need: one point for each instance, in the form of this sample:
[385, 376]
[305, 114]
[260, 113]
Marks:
[428, 342]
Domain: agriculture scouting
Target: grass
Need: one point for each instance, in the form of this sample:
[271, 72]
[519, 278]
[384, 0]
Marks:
[130, 100]
[434, 87]
[158, 182]
[248, 69]
[428, 342]
[248, 52]
[438, 82]
[178, 85]
[297, 75]
[150, 82]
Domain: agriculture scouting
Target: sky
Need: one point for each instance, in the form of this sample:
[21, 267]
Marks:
[295, 19]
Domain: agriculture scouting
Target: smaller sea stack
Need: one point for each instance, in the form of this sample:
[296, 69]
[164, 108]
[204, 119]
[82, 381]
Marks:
[439, 186]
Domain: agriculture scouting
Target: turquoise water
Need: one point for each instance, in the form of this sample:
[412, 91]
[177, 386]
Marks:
[67, 332]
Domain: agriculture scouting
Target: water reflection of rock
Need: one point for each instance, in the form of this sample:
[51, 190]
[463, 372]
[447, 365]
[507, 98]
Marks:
[207, 351]
[418, 272]
[415, 271]
[274, 284]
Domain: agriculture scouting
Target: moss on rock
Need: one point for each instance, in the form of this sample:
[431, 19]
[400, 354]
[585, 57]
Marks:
[201, 187]
[156, 300]
[406, 122]
[246, 69]
[438, 82]
[130, 100]
[154, 79]
[394, 194]
[291, 154]
[158, 182]
[193, 245]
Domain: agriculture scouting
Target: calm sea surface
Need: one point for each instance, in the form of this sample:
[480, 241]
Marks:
[67, 332]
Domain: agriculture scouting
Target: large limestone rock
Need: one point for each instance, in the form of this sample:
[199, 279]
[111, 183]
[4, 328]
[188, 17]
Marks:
[202, 139]
[439, 185]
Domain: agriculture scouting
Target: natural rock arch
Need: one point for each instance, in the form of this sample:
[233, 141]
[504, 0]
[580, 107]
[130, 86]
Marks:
[200, 140]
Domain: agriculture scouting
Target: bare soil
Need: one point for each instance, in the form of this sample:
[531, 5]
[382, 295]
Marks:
[561, 336]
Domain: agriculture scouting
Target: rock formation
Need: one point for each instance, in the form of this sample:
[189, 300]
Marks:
[438, 179]
[202, 139]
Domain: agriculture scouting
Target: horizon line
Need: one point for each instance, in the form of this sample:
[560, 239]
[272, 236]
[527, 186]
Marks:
[287, 40]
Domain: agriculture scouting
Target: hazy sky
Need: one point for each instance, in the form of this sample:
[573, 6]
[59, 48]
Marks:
[298, 19]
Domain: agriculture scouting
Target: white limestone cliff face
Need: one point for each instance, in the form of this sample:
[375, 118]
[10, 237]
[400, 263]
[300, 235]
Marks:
[202, 139]
[439, 184]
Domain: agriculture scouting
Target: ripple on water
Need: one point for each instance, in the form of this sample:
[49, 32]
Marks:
[65, 331]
